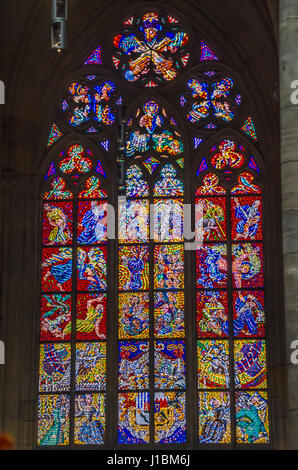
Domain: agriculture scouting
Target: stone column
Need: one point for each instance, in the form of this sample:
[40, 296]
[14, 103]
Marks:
[289, 171]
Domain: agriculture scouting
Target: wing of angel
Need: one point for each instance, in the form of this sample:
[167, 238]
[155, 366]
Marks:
[97, 259]
[130, 44]
[64, 255]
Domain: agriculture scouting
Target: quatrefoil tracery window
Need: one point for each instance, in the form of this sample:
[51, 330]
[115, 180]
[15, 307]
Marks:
[208, 129]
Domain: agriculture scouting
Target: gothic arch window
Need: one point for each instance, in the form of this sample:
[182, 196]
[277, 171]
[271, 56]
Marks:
[175, 339]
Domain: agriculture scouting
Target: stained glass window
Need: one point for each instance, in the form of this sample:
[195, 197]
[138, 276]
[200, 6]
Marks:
[73, 303]
[174, 340]
[231, 327]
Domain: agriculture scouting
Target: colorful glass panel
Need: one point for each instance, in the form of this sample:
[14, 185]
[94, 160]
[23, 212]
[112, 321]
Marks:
[133, 268]
[168, 185]
[212, 314]
[248, 313]
[170, 418]
[252, 417]
[91, 268]
[54, 367]
[92, 222]
[246, 218]
[211, 219]
[89, 421]
[168, 220]
[247, 265]
[135, 185]
[213, 364]
[91, 317]
[58, 190]
[56, 269]
[53, 420]
[90, 366]
[55, 320]
[214, 418]
[133, 365]
[168, 267]
[250, 364]
[93, 189]
[57, 223]
[212, 266]
[133, 420]
[134, 315]
[169, 364]
[91, 103]
[169, 314]
[150, 47]
[76, 159]
[134, 221]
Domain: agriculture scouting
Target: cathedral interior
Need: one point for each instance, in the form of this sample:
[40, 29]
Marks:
[166, 103]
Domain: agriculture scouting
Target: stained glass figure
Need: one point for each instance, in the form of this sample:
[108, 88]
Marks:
[168, 267]
[133, 365]
[155, 52]
[214, 418]
[247, 265]
[250, 364]
[169, 365]
[93, 189]
[89, 422]
[56, 269]
[91, 268]
[57, 223]
[212, 314]
[133, 268]
[133, 420]
[58, 190]
[248, 313]
[246, 218]
[55, 319]
[169, 417]
[92, 222]
[53, 420]
[211, 219]
[90, 366]
[134, 315]
[169, 314]
[212, 266]
[54, 367]
[213, 364]
[168, 185]
[252, 417]
[91, 317]
[152, 135]
[134, 221]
